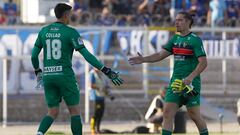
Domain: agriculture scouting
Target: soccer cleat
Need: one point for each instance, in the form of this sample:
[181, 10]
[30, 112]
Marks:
[92, 122]
[39, 133]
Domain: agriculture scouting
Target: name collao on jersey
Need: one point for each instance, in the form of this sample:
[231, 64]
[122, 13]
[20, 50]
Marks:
[53, 35]
[52, 69]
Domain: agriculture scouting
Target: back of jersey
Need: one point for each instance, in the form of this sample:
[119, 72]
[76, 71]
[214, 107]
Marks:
[58, 42]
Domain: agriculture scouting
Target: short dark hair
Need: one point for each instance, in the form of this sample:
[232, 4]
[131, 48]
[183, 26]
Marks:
[60, 9]
[187, 16]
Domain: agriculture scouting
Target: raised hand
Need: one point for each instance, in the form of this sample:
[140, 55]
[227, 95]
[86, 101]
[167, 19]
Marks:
[113, 76]
[136, 60]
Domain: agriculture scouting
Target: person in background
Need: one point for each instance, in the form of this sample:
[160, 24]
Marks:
[217, 12]
[3, 18]
[99, 91]
[155, 116]
[106, 18]
[11, 10]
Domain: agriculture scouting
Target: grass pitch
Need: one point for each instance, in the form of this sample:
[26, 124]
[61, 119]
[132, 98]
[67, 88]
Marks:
[61, 133]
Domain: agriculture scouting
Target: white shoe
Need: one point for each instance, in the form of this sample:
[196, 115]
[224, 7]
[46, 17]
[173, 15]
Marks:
[39, 133]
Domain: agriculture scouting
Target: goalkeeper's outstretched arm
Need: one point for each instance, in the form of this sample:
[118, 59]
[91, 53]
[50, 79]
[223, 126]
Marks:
[149, 59]
[113, 76]
[91, 59]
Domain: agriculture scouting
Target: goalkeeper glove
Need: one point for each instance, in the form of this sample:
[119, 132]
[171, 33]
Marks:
[113, 76]
[38, 74]
[179, 87]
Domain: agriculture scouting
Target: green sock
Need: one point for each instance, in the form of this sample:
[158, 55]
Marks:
[76, 125]
[45, 124]
[204, 132]
[166, 132]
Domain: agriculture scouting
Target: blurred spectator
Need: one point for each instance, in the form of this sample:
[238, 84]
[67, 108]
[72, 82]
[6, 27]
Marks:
[95, 5]
[154, 12]
[232, 15]
[110, 4]
[181, 5]
[232, 2]
[86, 18]
[161, 7]
[194, 7]
[124, 7]
[143, 13]
[106, 18]
[11, 10]
[143, 7]
[80, 14]
[199, 10]
[142, 19]
[217, 12]
[127, 20]
[79, 5]
[161, 12]
[3, 19]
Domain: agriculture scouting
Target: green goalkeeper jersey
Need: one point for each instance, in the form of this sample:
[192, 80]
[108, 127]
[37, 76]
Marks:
[186, 50]
[58, 42]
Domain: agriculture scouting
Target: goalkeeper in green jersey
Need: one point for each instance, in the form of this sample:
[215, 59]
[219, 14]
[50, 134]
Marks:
[58, 42]
[185, 85]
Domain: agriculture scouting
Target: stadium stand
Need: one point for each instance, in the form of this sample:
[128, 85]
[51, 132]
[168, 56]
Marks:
[141, 12]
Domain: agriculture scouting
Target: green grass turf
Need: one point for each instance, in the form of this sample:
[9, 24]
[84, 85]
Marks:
[60, 133]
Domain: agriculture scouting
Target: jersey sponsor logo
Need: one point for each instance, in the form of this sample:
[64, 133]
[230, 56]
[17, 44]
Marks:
[53, 69]
[53, 35]
[179, 57]
[182, 51]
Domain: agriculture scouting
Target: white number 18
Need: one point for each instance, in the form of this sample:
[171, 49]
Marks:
[54, 49]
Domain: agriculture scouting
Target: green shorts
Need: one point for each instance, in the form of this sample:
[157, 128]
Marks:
[181, 100]
[58, 87]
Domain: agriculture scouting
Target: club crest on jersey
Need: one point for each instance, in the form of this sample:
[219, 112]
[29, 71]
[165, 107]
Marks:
[80, 42]
[185, 44]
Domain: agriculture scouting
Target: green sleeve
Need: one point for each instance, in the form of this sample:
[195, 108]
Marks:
[38, 42]
[198, 48]
[34, 58]
[169, 45]
[76, 40]
[91, 59]
[36, 50]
